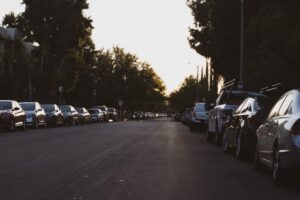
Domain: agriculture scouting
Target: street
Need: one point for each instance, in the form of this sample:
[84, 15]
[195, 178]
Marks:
[135, 160]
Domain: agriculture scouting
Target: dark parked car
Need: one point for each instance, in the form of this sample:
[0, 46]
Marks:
[178, 116]
[54, 115]
[112, 114]
[71, 116]
[84, 115]
[104, 109]
[12, 115]
[35, 114]
[241, 128]
[96, 115]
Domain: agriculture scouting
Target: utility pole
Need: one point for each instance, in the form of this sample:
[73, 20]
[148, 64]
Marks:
[242, 44]
[197, 85]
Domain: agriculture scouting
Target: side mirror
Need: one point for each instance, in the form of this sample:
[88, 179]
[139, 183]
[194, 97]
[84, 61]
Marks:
[16, 109]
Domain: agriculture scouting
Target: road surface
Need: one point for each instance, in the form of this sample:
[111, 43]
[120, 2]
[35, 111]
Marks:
[136, 160]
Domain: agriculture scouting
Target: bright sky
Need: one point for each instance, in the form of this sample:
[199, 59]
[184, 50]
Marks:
[155, 30]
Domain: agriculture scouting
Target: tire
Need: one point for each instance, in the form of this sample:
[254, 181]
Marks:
[239, 152]
[258, 166]
[23, 128]
[218, 136]
[12, 126]
[278, 174]
[225, 145]
[36, 124]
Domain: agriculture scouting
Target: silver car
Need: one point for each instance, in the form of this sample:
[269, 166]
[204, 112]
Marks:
[278, 138]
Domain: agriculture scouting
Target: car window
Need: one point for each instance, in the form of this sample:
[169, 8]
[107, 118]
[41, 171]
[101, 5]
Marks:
[276, 107]
[286, 104]
[200, 107]
[5, 105]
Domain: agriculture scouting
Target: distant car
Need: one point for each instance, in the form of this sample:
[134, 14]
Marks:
[240, 130]
[112, 114]
[187, 116]
[12, 115]
[96, 115]
[138, 115]
[35, 114]
[199, 117]
[178, 116]
[83, 115]
[71, 116]
[229, 100]
[54, 115]
[278, 138]
[104, 109]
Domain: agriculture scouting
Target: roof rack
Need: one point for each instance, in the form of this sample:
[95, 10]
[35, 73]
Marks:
[271, 88]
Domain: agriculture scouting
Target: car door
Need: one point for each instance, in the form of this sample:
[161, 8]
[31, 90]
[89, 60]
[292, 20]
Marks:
[18, 113]
[265, 135]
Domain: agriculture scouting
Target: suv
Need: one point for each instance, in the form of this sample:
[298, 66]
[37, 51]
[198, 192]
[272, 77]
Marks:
[229, 100]
[12, 115]
[199, 117]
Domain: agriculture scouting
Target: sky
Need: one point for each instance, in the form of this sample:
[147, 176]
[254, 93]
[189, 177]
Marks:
[155, 30]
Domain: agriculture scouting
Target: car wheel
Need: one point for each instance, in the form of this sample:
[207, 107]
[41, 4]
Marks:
[24, 125]
[239, 147]
[257, 164]
[225, 145]
[36, 124]
[277, 172]
[12, 126]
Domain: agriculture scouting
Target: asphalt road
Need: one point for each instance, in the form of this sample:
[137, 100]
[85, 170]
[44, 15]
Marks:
[144, 160]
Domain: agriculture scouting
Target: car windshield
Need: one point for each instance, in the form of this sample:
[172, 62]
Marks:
[28, 106]
[48, 108]
[5, 105]
[80, 110]
[102, 108]
[200, 107]
[94, 111]
[65, 108]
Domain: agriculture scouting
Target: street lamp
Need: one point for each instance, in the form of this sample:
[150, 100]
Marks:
[242, 44]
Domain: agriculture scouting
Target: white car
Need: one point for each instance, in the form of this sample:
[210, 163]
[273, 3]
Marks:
[199, 117]
[278, 139]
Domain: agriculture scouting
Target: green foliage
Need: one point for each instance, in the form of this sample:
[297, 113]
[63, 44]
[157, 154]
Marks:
[67, 57]
[272, 41]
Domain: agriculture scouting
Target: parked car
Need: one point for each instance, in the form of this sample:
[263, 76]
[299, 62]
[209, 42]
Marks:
[104, 109]
[278, 138]
[138, 115]
[240, 130]
[229, 100]
[12, 115]
[112, 114]
[84, 116]
[71, 116]
[187, 116]
[35, 114]
[96, 115]
[178, 116]
[199, 117]
[54, 116]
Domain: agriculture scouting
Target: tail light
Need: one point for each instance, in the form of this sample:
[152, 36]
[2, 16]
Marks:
[296, 128]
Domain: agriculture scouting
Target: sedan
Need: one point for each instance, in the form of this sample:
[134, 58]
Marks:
[71, 116]
[54, 115]
[84, 115]
[278, 138]
[12, 115]
[35, 114]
